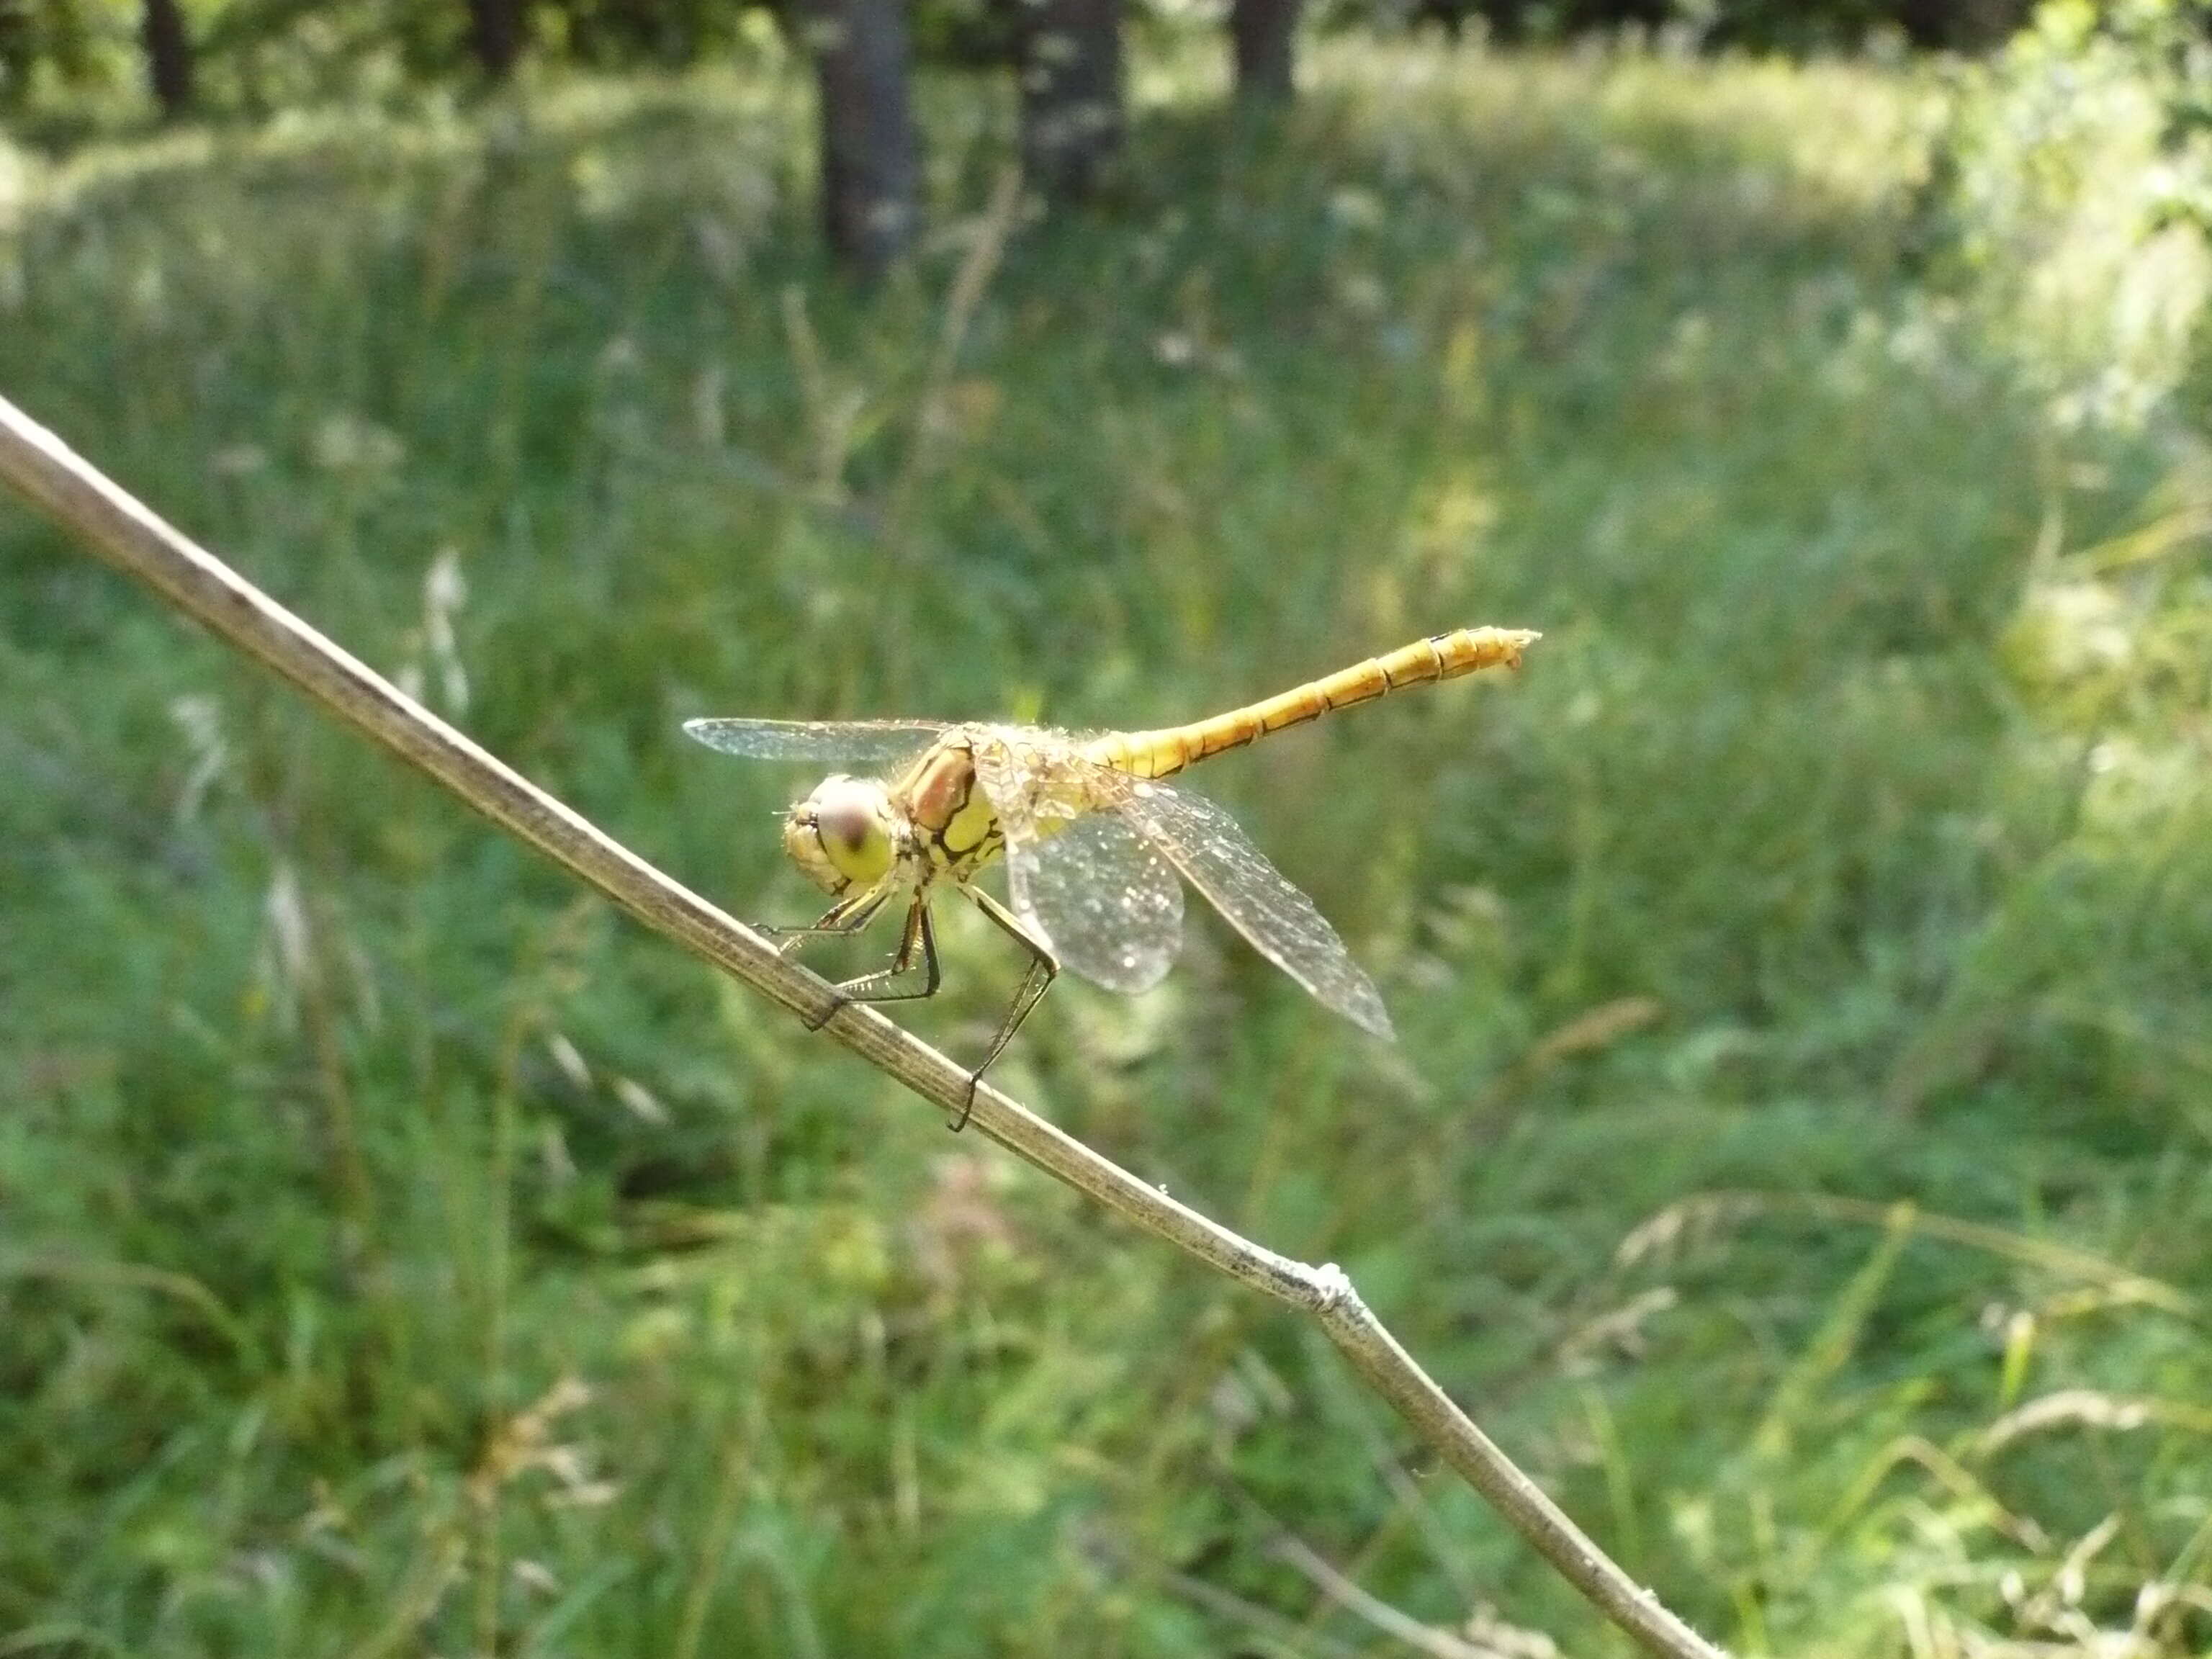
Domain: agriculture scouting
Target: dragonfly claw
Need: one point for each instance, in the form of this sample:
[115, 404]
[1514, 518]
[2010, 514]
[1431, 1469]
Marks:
[968, 1105]
[838, 1000]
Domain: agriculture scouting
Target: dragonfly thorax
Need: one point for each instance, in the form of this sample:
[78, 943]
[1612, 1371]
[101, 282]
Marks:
[846, 834]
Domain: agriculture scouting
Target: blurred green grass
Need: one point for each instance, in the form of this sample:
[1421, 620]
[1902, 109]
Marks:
[398, 1254]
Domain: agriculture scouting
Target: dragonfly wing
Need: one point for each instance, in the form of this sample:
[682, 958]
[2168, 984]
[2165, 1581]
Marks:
[1106, 901]
[858, 741]
[1219, 859]
[1103, 897]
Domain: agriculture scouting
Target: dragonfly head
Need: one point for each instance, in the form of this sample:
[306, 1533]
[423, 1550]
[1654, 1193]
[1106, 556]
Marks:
[844, 834]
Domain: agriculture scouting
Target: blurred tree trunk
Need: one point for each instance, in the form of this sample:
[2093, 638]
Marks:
[1962, 25]
[1073, 119]
[496, 35]
[1260, 34]
[168, 57]
[871, 154]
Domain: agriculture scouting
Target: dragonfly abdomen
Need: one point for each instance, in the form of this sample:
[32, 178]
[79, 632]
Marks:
[1443, 657]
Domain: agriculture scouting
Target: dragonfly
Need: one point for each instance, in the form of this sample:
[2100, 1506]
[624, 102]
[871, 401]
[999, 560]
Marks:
[1095, 845]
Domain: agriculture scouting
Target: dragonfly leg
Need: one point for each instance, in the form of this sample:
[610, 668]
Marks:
[848, 916]
[1043, 969]
[920, 935]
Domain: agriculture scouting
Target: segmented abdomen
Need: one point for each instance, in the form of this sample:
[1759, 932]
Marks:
[1447, 656]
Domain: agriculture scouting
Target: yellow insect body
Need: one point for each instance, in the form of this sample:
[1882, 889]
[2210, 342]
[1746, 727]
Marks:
[1163, 753]
[1097, 850]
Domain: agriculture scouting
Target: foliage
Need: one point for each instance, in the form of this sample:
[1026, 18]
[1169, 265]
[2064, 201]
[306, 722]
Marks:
[1797, 1150]
[2075, 178]
[70, 67]
[1755, 25]
[76, 69]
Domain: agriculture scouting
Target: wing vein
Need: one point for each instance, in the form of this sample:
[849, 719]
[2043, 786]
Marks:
[1280, 922]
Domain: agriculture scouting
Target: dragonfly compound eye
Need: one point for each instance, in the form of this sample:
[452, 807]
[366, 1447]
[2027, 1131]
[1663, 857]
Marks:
[841, 834]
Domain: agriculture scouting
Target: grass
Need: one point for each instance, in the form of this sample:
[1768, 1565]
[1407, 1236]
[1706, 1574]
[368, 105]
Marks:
[1796, 1151]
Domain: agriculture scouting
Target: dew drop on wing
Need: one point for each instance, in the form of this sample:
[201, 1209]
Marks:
[1107, 900]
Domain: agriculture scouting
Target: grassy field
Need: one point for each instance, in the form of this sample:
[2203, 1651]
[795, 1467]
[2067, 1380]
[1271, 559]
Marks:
[1797, 1149]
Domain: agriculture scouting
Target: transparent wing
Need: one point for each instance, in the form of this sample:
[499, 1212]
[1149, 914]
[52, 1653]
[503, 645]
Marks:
[1105, 901]
[1103, 898]
[1038, 782]
[1219, 859]
[816, 740]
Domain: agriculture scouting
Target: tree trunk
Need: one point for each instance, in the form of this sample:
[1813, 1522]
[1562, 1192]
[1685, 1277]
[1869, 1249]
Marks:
[496, 35]
[870, 156]
[1072, 118]
[1962, 25]
[168, 57]
[1261, 33]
